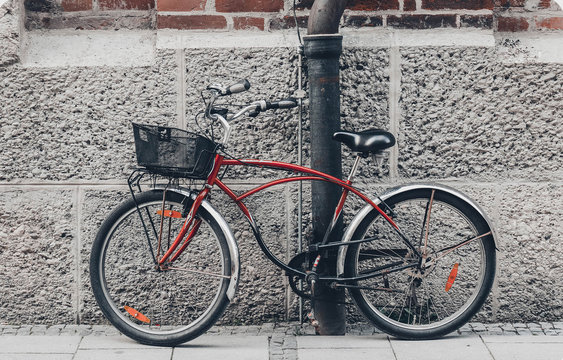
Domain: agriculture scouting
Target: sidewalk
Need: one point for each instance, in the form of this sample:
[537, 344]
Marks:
[286, 341]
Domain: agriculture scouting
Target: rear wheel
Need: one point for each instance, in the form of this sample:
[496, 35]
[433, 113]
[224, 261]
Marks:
[446, 287]
[151, 305]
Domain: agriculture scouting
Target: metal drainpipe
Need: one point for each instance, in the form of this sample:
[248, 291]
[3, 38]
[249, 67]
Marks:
[322, 47]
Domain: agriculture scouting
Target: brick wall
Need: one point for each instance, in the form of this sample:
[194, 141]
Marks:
[272, 15]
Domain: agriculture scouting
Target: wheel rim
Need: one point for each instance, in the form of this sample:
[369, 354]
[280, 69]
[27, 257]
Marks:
[431, 306]
[173, 301]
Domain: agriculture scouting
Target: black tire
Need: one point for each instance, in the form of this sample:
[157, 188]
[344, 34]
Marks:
[414, 303]
[180, 304]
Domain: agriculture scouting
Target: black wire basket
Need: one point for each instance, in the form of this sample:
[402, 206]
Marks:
[173, 152]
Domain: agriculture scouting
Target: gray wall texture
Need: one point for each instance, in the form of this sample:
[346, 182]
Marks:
[466, 116]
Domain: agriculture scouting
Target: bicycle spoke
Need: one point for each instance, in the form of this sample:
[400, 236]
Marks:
[428, 213]
[197, 272]
[448, 250]
[177, 300]
[441, 231]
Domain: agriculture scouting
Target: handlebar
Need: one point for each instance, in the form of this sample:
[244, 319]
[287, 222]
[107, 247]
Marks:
[240, 86]
[280, 104]
[221, 114]
[269, 105]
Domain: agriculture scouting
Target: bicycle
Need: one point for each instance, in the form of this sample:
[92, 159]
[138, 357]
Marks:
[418, 260]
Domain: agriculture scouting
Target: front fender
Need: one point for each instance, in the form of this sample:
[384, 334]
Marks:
[231, 242]
[351, 229]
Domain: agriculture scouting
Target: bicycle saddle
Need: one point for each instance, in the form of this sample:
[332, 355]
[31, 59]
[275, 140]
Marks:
[367, 141]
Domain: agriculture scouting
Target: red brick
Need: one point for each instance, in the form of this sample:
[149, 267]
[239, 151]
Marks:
[540, 4]
[551, 23]
[512, 24]
[180, 5]
[477, 21]
[421, 21]
[97, 22]
[246, 23]
[367, 5]
[248, 5]
[76, 5]
[126, 4]
[457, 4]
[509, 3]
[362, 21]
[372, 5]
[288, 22]
[191, 22]
[409, 5]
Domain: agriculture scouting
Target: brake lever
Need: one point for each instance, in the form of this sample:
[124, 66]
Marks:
[220, 111]
[254, 113]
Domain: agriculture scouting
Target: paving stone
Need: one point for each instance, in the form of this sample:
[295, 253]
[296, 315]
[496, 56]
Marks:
[267, 326]
[342, 342]
[224, 347]
[39, 344]
[290, 342]
[36, 356]
[478, 327]
[130, 354]
[465, 328]
[523, 331]
[468, 348]
[110, 342]
[494, 331]
[54, 329]
[508, 327]
[276, 351]
[519, 351]
[546, 325]
[277, 339]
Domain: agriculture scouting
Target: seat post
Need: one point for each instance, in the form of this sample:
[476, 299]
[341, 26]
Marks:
[354, 168]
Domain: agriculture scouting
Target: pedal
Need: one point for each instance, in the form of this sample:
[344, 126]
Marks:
[314, 322]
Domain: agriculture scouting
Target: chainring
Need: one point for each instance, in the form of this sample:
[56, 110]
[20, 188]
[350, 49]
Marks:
[299, 262]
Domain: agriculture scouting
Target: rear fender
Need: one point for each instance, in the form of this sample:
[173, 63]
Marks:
[356, 221]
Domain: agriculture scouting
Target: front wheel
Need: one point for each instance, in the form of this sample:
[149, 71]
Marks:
[437, 292]
[159, 306]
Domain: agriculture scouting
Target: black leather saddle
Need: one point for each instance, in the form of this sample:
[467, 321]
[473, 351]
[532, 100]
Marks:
[367, 141]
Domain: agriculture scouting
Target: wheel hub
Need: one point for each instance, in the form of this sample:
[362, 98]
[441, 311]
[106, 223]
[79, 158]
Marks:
[425, 266]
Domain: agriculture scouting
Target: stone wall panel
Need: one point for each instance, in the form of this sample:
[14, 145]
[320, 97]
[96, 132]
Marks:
[97, 205]
[530, 253]
[75, 123]
[37, 257]
[465, 115]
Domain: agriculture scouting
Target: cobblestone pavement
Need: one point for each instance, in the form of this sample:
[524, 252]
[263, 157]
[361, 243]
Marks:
[283, 336]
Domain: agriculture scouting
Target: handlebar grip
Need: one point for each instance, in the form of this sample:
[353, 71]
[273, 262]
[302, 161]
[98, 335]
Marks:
[240, 86]
[283, 104]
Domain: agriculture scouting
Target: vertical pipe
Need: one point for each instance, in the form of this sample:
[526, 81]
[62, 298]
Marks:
[300, 162]
[323, 53]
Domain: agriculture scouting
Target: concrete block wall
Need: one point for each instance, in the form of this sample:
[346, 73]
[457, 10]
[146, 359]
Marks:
[479, 113]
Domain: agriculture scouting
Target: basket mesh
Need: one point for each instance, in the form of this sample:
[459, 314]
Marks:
[173, 152]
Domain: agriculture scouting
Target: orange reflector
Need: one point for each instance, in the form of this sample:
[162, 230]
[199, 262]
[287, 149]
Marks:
[137, 315]
[451, 278]
[170, 213]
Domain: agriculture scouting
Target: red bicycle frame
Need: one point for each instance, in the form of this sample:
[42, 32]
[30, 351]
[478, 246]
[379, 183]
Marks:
[309, 174]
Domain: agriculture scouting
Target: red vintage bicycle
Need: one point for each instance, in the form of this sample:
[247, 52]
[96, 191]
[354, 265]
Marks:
[418, 260]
